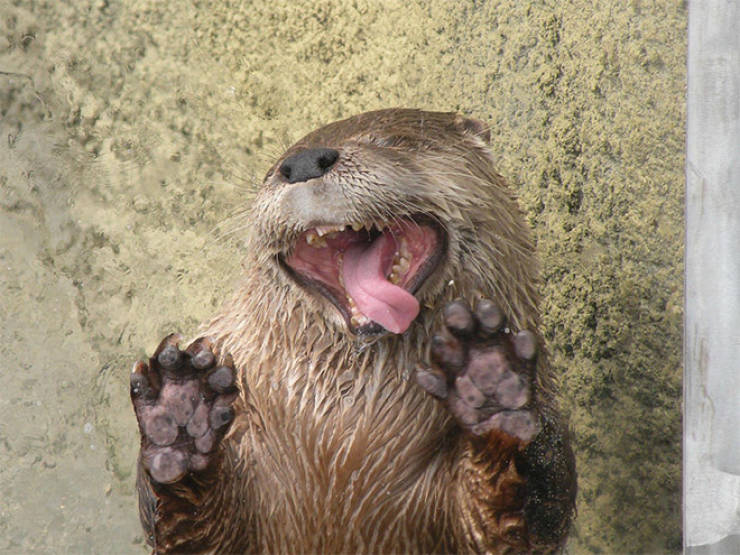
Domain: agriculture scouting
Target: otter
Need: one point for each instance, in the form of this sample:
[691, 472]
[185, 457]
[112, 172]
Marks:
[378, 382]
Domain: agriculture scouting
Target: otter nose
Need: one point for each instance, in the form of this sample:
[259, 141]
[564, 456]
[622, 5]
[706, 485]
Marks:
[308, 164]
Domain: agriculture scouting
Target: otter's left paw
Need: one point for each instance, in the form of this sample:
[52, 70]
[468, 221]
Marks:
[482, 371]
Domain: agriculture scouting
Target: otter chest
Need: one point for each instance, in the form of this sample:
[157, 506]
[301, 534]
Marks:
[344, 457]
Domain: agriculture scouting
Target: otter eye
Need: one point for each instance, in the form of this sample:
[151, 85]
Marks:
[308, 164]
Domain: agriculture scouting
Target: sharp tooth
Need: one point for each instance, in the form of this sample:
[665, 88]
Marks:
[357, 227]
[354, 312]
[315, 241]
[325, 229]
[404, 248]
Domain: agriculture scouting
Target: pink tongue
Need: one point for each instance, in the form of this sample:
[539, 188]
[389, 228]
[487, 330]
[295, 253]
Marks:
[364, 270]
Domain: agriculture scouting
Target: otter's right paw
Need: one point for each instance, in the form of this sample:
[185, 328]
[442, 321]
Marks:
[183, 404]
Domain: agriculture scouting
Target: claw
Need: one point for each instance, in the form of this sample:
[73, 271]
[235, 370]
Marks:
[169, 357]
[201, 353]
[447, 350]
[221, 379]
[172, 339]
[458, 318]
[525, 345]
[432, 381]
[490, 317]
[221, 416]
[140, 386]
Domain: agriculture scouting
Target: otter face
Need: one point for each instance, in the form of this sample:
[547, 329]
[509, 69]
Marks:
[359, 213]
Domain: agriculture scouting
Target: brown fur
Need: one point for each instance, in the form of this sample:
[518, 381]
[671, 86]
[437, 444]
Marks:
[335, 448]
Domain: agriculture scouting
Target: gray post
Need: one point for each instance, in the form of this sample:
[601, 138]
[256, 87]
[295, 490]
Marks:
[712, 324]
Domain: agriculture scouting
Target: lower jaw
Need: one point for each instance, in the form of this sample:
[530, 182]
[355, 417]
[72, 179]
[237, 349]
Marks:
[372, 329]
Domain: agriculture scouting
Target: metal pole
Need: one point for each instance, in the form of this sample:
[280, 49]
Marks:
[712, 317]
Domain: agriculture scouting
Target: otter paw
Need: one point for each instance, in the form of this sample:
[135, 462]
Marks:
[482, 371]
[182, 401]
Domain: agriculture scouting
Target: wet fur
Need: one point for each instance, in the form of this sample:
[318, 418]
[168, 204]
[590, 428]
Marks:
[335, 448]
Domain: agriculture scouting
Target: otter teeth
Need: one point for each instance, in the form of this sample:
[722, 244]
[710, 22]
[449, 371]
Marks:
[315, 240]
[404, 250]
[357, 318]
[340, 263]
[401, 264]
[322, 230]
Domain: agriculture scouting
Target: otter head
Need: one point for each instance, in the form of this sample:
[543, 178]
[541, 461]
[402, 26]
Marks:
[371, 216]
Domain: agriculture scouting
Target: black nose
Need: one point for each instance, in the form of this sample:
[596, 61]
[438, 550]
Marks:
[308, 164]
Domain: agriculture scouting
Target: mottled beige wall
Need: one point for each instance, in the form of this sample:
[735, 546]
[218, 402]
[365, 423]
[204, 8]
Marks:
[138, 128]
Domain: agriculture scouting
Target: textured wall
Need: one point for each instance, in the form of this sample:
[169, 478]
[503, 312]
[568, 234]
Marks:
[136, 129]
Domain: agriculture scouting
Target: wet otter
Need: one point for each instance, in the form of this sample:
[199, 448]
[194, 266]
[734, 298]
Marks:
[321, 412]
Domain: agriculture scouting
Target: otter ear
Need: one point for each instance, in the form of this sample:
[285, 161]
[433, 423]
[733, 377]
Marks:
[474, 127]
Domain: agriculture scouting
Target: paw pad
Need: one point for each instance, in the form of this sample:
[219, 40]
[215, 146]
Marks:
[183, 407]
[483, 371]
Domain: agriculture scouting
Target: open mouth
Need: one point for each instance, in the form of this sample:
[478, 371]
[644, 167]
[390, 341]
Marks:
[370, 272]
